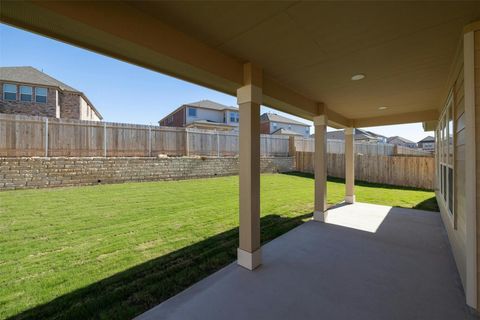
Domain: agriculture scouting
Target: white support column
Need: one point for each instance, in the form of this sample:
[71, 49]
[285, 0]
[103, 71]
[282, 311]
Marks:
[349, 165]
[320, 162]
[249, 99]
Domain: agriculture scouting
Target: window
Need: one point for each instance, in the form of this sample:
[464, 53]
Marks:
[445, 156]
[289, 126]
[234, 116]
[307, 130]
[274, 125]
[9, 91]
[192, 112]
[41, 95]
[25, 93]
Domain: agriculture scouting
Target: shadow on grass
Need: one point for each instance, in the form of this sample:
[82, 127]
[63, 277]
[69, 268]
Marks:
[428, 204]
[135, 290]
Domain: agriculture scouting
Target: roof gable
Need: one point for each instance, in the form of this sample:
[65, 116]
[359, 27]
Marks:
[208, 104]
[268, 116]
[32, 76]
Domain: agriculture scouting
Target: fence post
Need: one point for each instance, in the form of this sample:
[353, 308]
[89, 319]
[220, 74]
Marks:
[187, 151]
[46, 137]
[105, 139]
[218, 145]
[291, 146]
[149, 141]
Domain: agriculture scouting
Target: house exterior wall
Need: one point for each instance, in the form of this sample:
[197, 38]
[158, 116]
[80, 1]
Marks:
[456, 225]
[427, 146]
[265, 127]
[86, 111]
[228, 113]
[69, 105]
[464, 225]
[32, 108]
[476, 97]
[273, 126]
[399, 142]
[59, 104]
[206, 114]
[176, 119]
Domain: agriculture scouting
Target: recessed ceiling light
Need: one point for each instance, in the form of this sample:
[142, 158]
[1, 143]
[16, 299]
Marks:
[357, 77]
[382, 108]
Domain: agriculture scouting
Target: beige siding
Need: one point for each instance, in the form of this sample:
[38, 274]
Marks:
[477, 138]
[456, 228]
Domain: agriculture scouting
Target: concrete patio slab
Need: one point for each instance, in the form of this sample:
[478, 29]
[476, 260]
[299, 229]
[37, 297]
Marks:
[366, 262]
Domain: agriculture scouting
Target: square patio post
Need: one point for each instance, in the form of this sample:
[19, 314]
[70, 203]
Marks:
[249, 98]
[349, 165]
[320, 170]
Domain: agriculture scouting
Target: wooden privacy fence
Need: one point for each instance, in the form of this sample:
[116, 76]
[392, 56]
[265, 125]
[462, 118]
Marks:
[338, 146]
[405, 171]
[22, 136]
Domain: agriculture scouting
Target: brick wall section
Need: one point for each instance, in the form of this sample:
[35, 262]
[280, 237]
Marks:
[178, 119]
[69, 105]
[28, 173]
[30, 108]
[265, 127]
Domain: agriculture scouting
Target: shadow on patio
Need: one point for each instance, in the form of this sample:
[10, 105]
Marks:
[368, 262]
[135, 290]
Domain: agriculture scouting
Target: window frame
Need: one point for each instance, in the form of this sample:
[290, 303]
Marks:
[39, 95]
[446, 156]
[234, 117]
[5, 91]
[25, 94]
[195, 111]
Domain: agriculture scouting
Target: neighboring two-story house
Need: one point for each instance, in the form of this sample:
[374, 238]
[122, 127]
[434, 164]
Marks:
[400, 141]
[360, 136]
[427, 144]
[271, 123]
[204, 114]
[28, 91]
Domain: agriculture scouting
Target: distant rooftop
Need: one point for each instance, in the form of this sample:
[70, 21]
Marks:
[427, 139]
[269, 116]
[208, 104]
[32, 76]
[405, 140]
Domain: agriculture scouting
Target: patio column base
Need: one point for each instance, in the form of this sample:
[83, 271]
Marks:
[320, 216]
[249, 260]
[350, 199]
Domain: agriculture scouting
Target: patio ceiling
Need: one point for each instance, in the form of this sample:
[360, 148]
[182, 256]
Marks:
[308, 50]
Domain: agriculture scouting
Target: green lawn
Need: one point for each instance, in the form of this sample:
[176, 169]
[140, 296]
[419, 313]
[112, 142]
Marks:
[114, 251]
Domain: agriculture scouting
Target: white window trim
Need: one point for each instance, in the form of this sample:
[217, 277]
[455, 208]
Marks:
[46, 95]
[443, 156]
[4, 91]
[20, 93]
[196, 112]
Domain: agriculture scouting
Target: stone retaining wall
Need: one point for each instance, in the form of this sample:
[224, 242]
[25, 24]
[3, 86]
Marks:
[27, 173]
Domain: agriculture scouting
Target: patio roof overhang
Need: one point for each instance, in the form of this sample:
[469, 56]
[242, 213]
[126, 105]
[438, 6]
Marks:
[308, 51]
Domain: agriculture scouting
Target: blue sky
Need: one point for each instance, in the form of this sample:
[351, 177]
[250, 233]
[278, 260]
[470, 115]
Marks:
[123, 92]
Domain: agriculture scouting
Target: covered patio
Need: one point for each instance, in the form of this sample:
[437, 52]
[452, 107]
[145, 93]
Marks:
[369, 262]
[340, 64]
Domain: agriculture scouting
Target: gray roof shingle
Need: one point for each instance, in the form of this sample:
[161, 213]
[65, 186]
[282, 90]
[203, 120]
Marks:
[268, 116]
[32, 76]
[208, 104]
